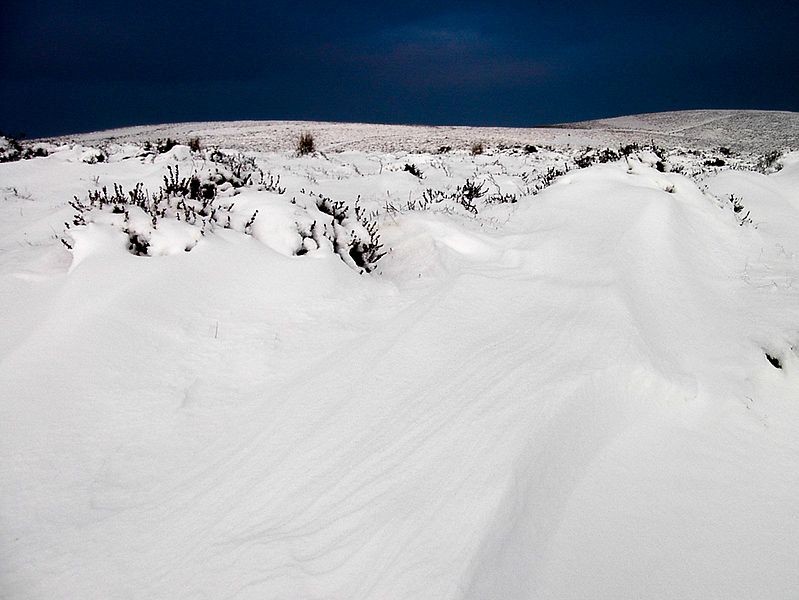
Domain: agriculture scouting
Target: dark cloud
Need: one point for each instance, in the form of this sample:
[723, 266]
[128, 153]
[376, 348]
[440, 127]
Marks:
[68, 66]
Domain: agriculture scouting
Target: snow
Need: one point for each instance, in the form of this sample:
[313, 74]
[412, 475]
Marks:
[751, 130]
[741, 130]
[563, 397]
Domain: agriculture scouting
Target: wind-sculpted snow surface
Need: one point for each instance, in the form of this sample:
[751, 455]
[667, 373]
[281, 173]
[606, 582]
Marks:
[566, 394]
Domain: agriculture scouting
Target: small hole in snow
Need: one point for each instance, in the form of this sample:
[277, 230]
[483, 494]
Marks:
[775, 362]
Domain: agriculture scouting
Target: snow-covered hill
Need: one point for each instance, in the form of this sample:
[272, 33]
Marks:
[743, 131]
[558, 382]
[752, 130]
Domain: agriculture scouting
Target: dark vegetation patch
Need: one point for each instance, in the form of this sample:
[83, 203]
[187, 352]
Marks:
[775, 362]
[412, 169]
[305, 144]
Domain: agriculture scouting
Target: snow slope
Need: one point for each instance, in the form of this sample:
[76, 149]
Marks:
[753, 130]
[743, 131]
[567, 396]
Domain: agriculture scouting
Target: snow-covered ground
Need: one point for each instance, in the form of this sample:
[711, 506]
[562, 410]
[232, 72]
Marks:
[558, 382]
[743, 131]
[752, 130]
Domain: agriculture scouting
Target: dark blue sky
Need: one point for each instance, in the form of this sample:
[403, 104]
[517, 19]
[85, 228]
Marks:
[70, 66]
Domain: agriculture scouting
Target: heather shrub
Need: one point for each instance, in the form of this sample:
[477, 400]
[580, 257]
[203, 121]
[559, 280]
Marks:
[306, 144]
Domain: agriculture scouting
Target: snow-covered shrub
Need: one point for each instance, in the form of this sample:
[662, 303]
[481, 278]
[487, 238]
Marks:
[500, 198]
[431, 196]
[547, 179]
[356, 241]
[10, 149]
[164, 146]
[36, 151]
[270, 183]
[306, 144]
[236, 169]
[738, 208]
[194, 144]
[412, 169]
[769, 162]
[155, 223]
[160, 146]
[590, 156]
[337, 209]
[366, 251]
[466, 194]
[411, 204]
[174, 185]
[657, 151]
[477, 148]
[629, 149]
[93, 155]
[239, 170]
